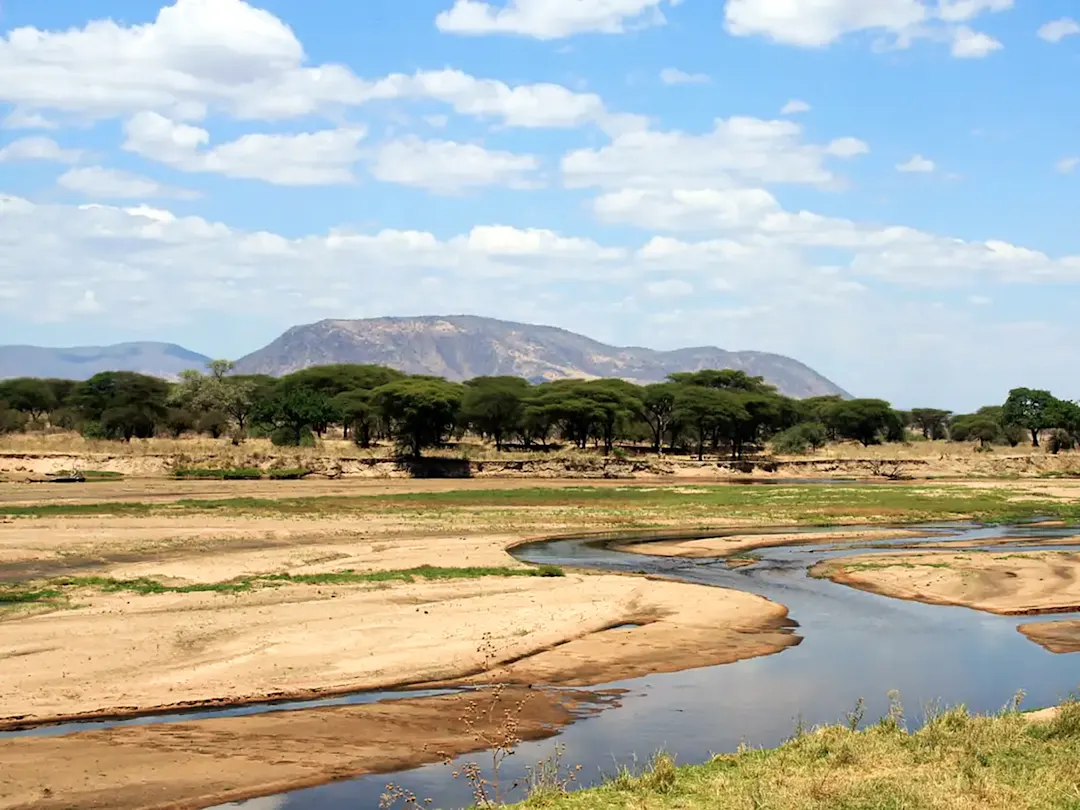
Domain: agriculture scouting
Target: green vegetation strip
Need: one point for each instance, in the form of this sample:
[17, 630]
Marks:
[239, 474]
[806, 504]
[954, 761]
[55, 589]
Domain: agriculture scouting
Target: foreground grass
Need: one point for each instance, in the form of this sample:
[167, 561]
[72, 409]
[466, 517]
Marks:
[55, 590]
[632, 506]
[954, 762]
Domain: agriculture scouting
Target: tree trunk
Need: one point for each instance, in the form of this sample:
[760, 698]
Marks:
[1034, 437]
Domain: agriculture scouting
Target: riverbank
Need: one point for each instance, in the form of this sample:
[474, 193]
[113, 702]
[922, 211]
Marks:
[1005, 762]
[1002, 582]
[200, 763]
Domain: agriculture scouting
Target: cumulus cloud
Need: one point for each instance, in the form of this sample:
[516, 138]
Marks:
[25, 119]
[917, 164]
[551, 19]
[446, 167]
[794, 107]
[819, 23]
[1067, 165]
[227, 55]
[1057, 30]
[738, 149]
[676, 76]
[38, 148]
[968, 44]
[306, 159]
[102, 183]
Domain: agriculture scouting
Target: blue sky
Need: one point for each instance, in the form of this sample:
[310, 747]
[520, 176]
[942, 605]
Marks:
[886, 191]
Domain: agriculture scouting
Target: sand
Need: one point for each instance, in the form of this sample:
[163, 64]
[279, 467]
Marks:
[1057, 637]
[1009, 583]
[724, 546]
[205, 762]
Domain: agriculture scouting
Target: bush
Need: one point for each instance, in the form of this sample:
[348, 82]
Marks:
[1060, 440]
[11, 421]
[284, 437]
[800, 439]
[236, 474]
[288, 475]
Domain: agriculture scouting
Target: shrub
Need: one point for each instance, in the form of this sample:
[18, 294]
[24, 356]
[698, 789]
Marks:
[285, 437]
[798, 440]
[1060, 440]
[288, 475]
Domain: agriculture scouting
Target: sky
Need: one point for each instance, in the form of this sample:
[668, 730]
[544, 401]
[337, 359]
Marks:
[887, 191]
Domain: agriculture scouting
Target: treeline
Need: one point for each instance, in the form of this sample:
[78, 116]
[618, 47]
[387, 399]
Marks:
[714, 411]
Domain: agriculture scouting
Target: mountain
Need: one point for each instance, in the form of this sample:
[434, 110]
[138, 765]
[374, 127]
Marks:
[81, 362]
[462, 346]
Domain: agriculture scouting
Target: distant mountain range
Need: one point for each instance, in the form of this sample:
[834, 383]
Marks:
[456, 347]
[165, 360]
[462, 346]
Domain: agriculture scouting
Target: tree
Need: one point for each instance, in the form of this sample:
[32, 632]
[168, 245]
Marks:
[707, 412]
[565, 403]
[728, 379]
[658, 401]
[420, 411]
[931, 421]
[493, 406]
[797, 440]
[864, 420]
[291, 411]
[122, 404]
[983, 429]
[1065, 416]
[1030, 409]
[357, 413]
[29, 395]
[617, 402]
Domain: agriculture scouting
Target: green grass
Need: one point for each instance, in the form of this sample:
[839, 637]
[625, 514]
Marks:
[642, 507]
[56, 589]
[231, 474]
[954, 762]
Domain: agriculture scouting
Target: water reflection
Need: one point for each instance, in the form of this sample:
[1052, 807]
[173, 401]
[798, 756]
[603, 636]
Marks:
[856, 644]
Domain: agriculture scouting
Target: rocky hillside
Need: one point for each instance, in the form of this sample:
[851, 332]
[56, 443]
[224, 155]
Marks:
[79, 363]
[462, 346]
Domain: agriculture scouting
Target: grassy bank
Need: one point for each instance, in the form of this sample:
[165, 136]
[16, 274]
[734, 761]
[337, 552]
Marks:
[54, 590]
[954, 762]
[633, 506]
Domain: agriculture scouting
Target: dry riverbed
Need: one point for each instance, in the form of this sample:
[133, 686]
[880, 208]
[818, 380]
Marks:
[1010, 583]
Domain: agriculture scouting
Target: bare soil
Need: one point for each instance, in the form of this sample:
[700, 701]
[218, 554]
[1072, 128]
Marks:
[728, 545]
[205, 762]
[1009, 583]
[1057, 637]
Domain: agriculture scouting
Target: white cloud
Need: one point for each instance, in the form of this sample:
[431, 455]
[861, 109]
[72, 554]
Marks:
[818, 23]
[226, 55]
[737, 149]
[917, 164]
[675, 76]
[26, 119]
[968, 44]
[1067, 165]
[38, 148]
[686, 209]
[794, 107]
[550, 19]
[103, 183]
[447, 167]
[1057, 30]
[305, 159]
[669, 288]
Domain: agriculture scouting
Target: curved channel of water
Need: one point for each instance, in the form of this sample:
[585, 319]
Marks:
[855, 644]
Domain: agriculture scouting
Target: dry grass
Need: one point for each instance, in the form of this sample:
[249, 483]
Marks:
[954, 762]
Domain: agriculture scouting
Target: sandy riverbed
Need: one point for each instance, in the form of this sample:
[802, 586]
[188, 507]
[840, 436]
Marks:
[1057, 637]
[725, 546]
[1006, 583]
[203, 762]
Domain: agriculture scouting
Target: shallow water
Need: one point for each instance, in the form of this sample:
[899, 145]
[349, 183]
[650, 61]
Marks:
[855, 644]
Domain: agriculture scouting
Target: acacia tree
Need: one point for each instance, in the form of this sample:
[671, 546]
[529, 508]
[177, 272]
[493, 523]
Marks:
[658, 401]
[1030, 409]
[931, 421]
[864, 420]
[494, 406]
[707, 412]
[291, 411]
[29, 395]
[420, 411]
[122, 404]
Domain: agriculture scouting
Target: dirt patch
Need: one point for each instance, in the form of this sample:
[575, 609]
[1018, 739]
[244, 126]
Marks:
[205, 762]
[125, 653]
[724, 546]
[1012, 583]
[1057, 637]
